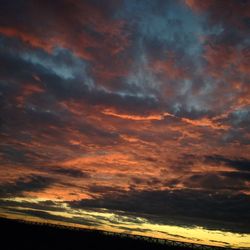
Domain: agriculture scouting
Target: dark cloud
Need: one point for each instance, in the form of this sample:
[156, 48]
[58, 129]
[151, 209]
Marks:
[46, 205]
[211, 210]
[236, 163]
[70, 172]
[179, 236]
[100, 190]
[216, 241]
[13, 154]
[237, 175]
[127, 229]
[52, 70]
[227, 181]
[31, 183]
[147, 181]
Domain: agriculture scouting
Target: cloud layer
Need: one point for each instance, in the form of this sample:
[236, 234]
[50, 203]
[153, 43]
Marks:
[139, 107]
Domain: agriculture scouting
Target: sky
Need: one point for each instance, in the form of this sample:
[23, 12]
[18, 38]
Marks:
[128, 115]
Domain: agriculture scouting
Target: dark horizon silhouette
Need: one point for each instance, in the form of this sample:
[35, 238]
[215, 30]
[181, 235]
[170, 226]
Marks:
[21, 234]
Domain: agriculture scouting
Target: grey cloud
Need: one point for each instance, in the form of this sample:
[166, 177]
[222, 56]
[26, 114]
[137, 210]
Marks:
[33, 183]
[227, 181]
[190, 207]
[69, 172]
[242, 164]
[47, 205]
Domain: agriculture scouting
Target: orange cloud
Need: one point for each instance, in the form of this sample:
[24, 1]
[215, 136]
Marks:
[29, 38]
[205, 122]
[199, 5]
[136, 117]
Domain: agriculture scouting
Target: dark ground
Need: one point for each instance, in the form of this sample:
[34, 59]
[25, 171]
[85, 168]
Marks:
[19, 235]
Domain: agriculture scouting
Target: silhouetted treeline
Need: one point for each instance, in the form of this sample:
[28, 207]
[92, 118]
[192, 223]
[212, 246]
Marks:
[19, 235]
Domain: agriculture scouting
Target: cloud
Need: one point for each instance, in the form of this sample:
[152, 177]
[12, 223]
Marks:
[24, 184]
[50, 216]
[137, 106]
[227, 181]
[69, 172]
[242, 175]
[46, 205]
[191, 207]
[242, 164]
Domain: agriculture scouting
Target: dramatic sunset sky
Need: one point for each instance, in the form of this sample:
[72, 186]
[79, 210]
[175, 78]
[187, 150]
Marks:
[128, 115]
